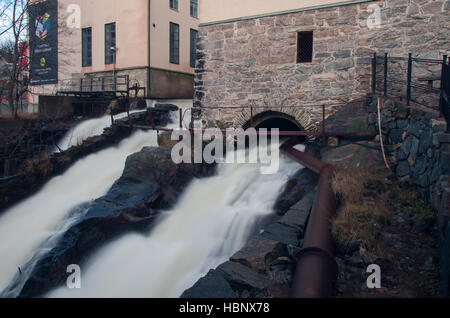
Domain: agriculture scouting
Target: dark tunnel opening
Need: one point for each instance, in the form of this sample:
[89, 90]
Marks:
[270, 120]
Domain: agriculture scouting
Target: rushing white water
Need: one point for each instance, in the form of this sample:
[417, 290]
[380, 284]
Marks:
[213, 219]
[87, 129]
[44, 216]
[26, 226]
[96, 126]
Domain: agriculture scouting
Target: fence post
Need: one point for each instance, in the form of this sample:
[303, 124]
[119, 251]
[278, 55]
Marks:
[324, 134]
[441, 98]
[386, 61]
[374, 73]
[408, 90]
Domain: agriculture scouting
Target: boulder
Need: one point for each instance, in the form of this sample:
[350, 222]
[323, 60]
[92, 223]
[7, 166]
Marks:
[298, 215]
[259, 253]
[212, 285]
[166, 107]
[242, 278]
[283, 233]
[296, 188]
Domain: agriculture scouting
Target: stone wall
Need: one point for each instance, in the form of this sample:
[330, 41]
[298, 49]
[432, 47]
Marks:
[253, 62]
[419, 152]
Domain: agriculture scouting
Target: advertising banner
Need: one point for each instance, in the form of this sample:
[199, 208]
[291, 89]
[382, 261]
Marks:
[43, 28]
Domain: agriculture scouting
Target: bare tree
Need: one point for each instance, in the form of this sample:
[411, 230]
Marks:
[14, 47]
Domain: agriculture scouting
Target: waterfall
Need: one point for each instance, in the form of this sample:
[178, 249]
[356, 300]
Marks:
[26, 226]
[87, 129]
[213, 219]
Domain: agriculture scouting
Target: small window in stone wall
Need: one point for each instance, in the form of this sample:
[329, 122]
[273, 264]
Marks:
[305, 47]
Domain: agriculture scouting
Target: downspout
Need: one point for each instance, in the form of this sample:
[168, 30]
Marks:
[317, 270]
[149, 30]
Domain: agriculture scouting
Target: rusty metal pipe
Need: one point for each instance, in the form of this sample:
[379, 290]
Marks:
[304, 159]
[316, 270]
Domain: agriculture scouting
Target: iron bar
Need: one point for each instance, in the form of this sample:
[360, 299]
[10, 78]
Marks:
[374, 73]
[441, 98]
[324, 138]
[359, 134]
[386, 61]
[408, 89]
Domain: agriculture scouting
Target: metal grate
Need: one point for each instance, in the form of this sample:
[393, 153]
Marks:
[305, 47]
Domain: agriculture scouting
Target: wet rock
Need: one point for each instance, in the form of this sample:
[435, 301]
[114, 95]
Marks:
[297, 216]
[166, 107]
[212, 285]
[282, 233]
[242, 278]
[303, 183]
[259, 253]
[275, 291]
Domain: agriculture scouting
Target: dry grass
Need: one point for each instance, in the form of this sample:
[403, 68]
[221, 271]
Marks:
[363, 209]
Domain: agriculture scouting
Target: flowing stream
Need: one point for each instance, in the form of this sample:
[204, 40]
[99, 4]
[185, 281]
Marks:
[87, 129]
[211, 221]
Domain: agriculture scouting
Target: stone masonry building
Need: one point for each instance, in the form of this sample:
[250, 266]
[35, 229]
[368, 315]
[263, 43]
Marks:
[256, 60]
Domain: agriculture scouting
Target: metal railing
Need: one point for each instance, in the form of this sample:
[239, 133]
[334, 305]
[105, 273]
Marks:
[323, 132]
[96, 85]
[412, 79]
[445, 92]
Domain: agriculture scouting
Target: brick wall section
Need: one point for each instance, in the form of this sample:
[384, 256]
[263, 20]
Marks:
[253, 62]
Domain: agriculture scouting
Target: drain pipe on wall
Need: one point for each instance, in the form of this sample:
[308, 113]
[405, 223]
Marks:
[317, 270]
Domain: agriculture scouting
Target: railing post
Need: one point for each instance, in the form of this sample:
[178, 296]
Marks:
[441, 98]
[181, 118]
[445, 91]
[324, 137]
[127, 78]
[386, 61]
[408, 89]
[81, 84]
[374, 73]
[103, 83]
